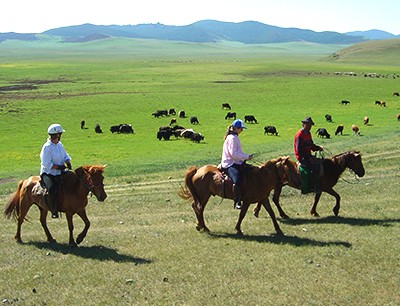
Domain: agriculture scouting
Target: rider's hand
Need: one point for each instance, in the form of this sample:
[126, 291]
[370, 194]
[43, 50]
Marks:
[69, 166]
[62, 167]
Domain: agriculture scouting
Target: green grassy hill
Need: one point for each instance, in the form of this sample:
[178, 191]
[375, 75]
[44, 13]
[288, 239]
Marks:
[372, 52]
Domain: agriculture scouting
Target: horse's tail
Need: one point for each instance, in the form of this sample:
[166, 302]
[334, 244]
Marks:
[188, 191]
[12, 206]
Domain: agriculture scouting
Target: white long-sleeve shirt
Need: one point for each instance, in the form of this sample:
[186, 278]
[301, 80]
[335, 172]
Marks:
[232, 151]
[52, 154]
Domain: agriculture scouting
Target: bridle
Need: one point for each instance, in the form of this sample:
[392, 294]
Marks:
[88, 183]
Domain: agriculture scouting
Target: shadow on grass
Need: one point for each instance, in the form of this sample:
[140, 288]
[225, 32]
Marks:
[279, 239]
[341, 220]
[96, 252]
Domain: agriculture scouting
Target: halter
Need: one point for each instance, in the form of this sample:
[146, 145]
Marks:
[88, 183]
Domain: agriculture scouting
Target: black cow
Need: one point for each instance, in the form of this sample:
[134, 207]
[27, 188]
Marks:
[344, 102]
[160, 113]
[250, 118]
[226, 105]
[114, 129]
[182, 114]
[270, 130]
[328, 118]
[230, 115]
[187, 133]
[197, 137]
[396, 94]
[323, 133]
[339, 130]
[172, 111]
[126, 129]
[173, 121]
[166, 134]
[82, 124]
[97, 129]
[194, 120]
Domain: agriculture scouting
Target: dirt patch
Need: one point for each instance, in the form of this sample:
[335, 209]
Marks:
[5, 180]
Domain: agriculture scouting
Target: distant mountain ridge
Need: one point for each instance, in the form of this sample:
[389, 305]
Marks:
[205, 31]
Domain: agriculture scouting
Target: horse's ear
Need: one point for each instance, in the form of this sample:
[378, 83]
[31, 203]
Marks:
[79, 172]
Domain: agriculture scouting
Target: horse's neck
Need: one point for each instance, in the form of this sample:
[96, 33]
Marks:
[73, 184]
[340, 164]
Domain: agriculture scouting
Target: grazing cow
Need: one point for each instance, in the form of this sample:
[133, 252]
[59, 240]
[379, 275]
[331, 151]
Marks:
[396, 94]
[366, 120]
[114, 129]
[194, 120]
[339, 130]
[182, 114]
[197, 137]
[378, 102]
[322, 132]
[383, 103]
[177, 127]
[187, 133]
[270, 130]
[173, 121]
[82, 124]
[344, 102]
[125, 128]
[172, 111]
[355, 129]
[160, 113]
[166, 134]
[250, 118]
[97, 129]
[328, 118]
[230, 115]
[226, 105]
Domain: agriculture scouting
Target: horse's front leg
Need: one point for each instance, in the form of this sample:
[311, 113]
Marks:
[267, 206]
[275, 199]
[314, 207]
[85, 219]
[70, 228]
[242, 214]
[336, 208]
[43, 222]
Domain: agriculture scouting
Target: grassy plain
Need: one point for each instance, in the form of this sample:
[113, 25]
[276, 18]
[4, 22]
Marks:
[142, 247]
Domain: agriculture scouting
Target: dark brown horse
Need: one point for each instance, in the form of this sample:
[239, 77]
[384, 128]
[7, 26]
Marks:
[75, 189]
[332, 168]
[202, 183]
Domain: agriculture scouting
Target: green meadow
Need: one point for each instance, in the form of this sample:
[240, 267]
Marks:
[142, 247]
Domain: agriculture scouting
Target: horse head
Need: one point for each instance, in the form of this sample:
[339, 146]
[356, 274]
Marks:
[92, 179]
[288, 171]
[354, 163]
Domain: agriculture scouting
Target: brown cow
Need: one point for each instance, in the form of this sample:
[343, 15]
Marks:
[366, 120]
[355, 130]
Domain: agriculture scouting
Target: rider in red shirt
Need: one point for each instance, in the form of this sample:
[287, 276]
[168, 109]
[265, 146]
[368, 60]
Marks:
[304, 145]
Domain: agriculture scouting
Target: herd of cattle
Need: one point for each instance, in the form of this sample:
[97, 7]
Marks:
[178, 131]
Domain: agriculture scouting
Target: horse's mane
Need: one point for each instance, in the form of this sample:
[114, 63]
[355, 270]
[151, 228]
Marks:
[93, 168]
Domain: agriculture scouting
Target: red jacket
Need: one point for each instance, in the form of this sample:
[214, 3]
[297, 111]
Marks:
[303, 145]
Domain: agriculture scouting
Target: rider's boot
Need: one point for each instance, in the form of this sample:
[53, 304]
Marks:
[237, 203]
[53, 206]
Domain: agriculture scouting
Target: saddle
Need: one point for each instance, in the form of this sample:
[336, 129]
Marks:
[39, 189]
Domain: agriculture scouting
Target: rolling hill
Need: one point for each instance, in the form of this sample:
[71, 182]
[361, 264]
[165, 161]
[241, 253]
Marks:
[205, 31]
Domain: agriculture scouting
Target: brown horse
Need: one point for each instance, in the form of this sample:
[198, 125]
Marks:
[202, 183]
[332, 168]
[75, 189]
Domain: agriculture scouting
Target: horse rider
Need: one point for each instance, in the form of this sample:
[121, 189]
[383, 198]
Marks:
[233, 158]
[53, 159]
[303, 146]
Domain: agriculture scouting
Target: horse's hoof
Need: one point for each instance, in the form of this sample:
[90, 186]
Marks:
[315, 214]
[336, 212]
[79, 239]
[19, 241]
[284, 216]
[52, 241]
[255, 214]
[239, 233]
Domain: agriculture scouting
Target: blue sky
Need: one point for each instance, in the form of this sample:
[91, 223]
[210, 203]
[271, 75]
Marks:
[35, 16]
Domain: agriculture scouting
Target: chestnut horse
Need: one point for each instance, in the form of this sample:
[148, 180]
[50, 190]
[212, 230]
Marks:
[332, 168]
[75, 189]
[202, 183]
